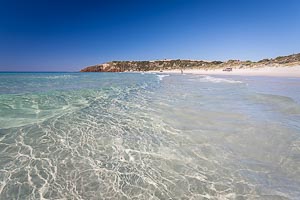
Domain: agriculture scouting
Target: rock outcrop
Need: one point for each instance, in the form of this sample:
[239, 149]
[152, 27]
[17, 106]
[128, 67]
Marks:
[157, 65]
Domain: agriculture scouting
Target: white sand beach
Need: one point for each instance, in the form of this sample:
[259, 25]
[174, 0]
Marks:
[293, 71]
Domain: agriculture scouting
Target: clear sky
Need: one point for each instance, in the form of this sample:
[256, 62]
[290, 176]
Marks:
[57, 35]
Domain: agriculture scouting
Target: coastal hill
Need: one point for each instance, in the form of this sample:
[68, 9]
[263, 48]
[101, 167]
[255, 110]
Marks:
[157, 65]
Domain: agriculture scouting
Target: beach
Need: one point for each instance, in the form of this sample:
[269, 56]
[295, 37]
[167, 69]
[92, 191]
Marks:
[286, 71]
[150, 100]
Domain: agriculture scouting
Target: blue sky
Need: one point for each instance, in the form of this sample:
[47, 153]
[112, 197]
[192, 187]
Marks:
[49, 35]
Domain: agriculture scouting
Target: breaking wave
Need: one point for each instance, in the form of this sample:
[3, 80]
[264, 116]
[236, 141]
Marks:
[160, 77]
[59, 77]
[218, 80]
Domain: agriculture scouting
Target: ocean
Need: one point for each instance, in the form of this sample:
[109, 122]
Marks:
[148, 136]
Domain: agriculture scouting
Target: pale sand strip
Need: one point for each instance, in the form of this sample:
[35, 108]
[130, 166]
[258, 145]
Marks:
[263, 71]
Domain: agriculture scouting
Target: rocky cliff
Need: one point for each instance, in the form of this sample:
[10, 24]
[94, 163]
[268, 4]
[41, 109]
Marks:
[158, 65]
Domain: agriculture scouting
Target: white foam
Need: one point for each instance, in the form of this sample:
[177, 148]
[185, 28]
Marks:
[58, 77]
[161, 76]
[218, 80]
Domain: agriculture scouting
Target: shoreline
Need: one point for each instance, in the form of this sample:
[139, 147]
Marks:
[293, 72]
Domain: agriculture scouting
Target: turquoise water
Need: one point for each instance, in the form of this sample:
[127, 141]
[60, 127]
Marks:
[148, 136]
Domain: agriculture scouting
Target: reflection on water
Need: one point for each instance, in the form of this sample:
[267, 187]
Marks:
[143, 136]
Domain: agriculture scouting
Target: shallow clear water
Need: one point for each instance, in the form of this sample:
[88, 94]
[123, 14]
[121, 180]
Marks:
[148, 136]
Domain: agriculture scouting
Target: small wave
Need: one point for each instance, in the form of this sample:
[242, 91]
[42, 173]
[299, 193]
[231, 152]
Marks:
[55, 77]
[21, 110]
[280, 103]
[218, 80]
[160, 77]
[59, 76]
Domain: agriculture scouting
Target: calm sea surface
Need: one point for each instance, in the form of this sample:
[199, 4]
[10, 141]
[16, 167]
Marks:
[148, 136]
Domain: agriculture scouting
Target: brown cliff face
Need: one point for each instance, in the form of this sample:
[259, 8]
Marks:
[102, 68]
[96, 68]
[122, 66]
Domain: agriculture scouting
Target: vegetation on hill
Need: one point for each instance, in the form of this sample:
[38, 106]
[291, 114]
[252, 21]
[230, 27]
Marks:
[159, 65]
